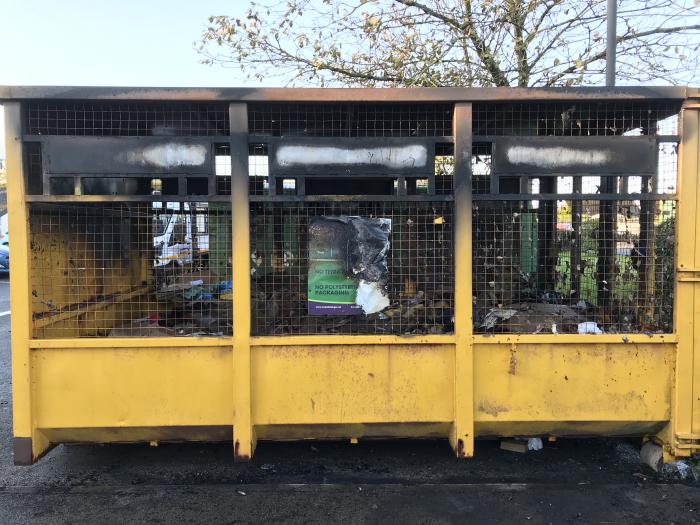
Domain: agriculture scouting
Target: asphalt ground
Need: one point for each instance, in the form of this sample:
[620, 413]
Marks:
[400, 481]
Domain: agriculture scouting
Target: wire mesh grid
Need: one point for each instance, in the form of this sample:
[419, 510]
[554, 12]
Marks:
[562, 266]
[351, 120]
[444, 168]
[34, 167]
[575, 118]
[667, 174]
[157, 269]
[420, 285]
[127, 119]
[481, 167]
[222, 167]
[258, 169]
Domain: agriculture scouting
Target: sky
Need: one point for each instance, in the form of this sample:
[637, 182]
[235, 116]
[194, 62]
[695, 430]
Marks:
[110, 43]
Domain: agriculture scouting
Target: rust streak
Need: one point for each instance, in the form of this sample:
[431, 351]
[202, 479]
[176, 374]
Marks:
[513, 362]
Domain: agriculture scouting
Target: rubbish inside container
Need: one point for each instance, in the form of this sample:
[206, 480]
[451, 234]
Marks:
[589, 327]
[415, 266]
[533, 318]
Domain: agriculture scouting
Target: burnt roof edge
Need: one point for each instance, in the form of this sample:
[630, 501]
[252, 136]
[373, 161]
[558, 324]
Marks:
[238, 94]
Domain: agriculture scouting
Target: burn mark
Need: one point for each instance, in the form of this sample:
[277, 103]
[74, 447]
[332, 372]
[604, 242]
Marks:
[460, 448]
[237, 456]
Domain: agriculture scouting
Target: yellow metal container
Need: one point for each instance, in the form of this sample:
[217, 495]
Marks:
[242, 387]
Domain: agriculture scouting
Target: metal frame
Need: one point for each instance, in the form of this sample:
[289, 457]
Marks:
[491, 94]
[459, 385]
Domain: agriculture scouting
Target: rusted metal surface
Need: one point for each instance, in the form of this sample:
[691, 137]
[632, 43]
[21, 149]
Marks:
[358, 430]
[166, 434]
[488, 429]
[345, 94]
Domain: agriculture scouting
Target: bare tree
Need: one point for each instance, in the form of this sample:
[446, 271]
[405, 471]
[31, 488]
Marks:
[456, 42]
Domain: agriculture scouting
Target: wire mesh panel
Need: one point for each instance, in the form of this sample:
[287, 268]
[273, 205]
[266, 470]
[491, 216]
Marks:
[419, 287]
[153, 269]
[667, 178]
[548, 258]
[575, 118]
[34, 168]
[573, 267]
[350, 120]
[222, 167]
[481, 167]
[444, 168]
[127, 119]
[258, 169]
[586, 266]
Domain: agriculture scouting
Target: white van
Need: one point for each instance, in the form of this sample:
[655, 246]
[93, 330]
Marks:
[179, 236]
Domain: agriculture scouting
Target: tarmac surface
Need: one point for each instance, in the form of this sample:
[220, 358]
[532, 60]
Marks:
[569, 481]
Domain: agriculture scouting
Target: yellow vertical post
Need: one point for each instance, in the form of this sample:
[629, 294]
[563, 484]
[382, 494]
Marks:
[462, 435]
[28, 444]
[243, 432]
[695, 426]
[685, 416]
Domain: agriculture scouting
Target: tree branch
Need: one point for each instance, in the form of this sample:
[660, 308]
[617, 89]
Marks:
[631, 36]
[517, 19]
[482, 50]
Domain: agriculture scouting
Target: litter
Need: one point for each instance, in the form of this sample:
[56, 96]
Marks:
[371, 297]
[589, 327]
[534, 444]
[527, 318]
[496, 315]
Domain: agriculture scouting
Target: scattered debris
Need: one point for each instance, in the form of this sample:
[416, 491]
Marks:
[552, 298]
[371, 297]
[589, 327]
[534, 444]
[582, 305]
[533, 318]
[189, 306]
[522, 445]
[681, 471]
[497, 315]
[514, 445]
[143, 328]
[627, 452]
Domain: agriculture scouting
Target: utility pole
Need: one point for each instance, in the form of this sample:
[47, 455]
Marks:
[611, 50]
